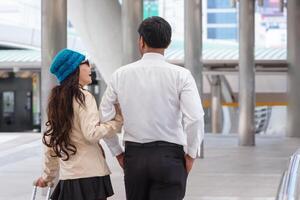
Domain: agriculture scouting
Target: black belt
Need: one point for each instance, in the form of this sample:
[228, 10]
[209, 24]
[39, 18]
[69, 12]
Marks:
[152, 144]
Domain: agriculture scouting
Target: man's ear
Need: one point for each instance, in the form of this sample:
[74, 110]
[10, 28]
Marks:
[142, 42]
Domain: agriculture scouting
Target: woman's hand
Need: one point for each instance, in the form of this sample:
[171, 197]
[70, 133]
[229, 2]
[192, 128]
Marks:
[40, 182]
[119, 116]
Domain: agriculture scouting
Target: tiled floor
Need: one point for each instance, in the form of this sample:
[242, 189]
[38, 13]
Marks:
[228, 172]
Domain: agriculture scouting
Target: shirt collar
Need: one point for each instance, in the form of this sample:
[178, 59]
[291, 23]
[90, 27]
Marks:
[153, 56]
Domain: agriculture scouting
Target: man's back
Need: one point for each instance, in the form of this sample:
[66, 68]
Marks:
[160, 103]
[149, 95]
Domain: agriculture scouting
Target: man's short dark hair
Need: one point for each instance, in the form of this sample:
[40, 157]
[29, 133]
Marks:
[156, 32]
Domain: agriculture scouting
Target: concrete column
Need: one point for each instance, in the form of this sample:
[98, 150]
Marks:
[193, 39]
[54, 38]
[216, 108]
[132, 16]
[98, 23]
[246, 73]
[293, 58]
[193, 42]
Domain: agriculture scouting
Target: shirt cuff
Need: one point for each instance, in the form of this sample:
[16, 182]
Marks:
[116, 150]
[194, 152]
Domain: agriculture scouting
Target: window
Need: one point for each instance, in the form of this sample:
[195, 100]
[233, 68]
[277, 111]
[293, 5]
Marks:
[218, 4]
[222, 33]
[221, 18]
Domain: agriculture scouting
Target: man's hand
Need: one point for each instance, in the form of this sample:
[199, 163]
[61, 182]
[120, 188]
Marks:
[120, 159]
[189, 161]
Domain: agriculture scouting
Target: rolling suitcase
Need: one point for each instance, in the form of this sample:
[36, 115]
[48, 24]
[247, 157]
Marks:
[35, 188]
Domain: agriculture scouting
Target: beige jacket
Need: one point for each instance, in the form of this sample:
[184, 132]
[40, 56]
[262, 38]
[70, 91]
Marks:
[85, 135]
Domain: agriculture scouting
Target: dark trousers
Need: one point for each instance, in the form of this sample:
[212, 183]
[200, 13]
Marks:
[154, 171]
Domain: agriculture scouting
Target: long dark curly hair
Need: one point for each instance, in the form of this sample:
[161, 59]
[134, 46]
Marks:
[60, 116]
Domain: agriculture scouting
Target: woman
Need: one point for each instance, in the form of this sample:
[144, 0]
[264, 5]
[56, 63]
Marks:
[73, 132]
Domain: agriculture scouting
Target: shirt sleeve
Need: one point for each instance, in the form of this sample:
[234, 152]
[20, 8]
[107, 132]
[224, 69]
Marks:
[114, 145]
[193, 115]
[108, 112]
[90, 124]
[109, 98]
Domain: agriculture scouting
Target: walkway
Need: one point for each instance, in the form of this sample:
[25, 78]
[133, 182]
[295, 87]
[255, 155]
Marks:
[228, 172]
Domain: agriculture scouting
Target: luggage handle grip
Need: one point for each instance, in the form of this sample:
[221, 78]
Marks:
[35, 187]
[49, 184]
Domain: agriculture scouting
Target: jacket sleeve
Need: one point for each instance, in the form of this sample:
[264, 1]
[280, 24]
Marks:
[90, 124]
[51, 165]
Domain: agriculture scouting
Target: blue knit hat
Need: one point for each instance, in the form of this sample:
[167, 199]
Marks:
[65, 63]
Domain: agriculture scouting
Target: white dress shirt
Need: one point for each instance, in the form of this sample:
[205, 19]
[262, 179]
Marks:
[159, 102]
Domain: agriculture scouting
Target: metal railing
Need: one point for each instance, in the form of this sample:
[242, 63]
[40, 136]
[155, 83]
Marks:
[262, 117]
[290, 181]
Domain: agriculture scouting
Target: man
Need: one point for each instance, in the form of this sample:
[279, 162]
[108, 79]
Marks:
[162, 113]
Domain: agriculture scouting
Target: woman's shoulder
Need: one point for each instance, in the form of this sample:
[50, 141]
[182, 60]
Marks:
[85, 92]
[88, 95]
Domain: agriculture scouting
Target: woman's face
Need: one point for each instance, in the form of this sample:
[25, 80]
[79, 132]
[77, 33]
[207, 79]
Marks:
[85, 73]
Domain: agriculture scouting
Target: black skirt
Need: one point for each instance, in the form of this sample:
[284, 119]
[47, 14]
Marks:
[92, 188]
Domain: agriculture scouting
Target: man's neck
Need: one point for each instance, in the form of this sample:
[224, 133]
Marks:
[155, 50]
